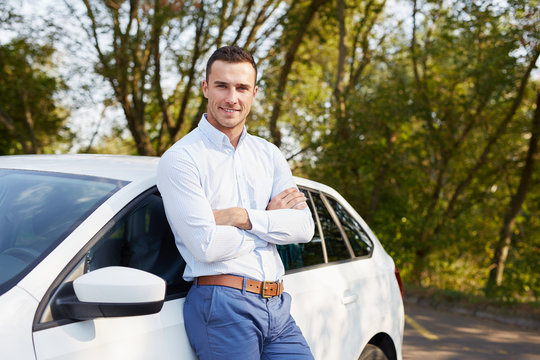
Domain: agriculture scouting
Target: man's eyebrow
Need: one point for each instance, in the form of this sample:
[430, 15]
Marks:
[219, 82]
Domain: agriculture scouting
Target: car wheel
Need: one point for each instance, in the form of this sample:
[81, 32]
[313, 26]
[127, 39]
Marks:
[372, 352]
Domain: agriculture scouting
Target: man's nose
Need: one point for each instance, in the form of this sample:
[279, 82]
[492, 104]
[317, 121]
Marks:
[232, 96]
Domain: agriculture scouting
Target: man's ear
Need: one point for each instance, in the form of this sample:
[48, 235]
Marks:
[255, 89]
[204, 86]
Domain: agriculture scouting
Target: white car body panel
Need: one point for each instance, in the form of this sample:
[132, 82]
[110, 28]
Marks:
[311, 292]
[354, 310]
[158, 336]
[17, 309]
[118, 167]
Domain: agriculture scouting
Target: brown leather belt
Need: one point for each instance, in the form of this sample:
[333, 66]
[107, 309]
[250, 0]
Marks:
[266, 289]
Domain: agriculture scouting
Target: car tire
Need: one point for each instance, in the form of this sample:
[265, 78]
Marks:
[372, 352]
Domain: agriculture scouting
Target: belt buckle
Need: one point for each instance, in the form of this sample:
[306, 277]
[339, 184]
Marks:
[263, 291]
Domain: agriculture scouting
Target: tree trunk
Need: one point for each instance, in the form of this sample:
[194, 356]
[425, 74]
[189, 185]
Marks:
[287, 66]
[483, 159]
[200, 28]
[28, 122]
[430, 226]
[504, 244]
[343, 132]
[126, 67]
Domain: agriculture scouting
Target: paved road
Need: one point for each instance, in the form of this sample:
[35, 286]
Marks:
[439, 335]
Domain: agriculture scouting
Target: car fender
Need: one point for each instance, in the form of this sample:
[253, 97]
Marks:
[17, 309]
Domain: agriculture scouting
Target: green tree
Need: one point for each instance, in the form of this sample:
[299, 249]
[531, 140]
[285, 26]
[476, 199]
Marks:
[152, 55]
[31, 121]
[419, 134]
[504, 244]
[466, 96]
[298, 18]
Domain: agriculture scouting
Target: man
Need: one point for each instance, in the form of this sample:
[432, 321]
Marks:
[230, 198]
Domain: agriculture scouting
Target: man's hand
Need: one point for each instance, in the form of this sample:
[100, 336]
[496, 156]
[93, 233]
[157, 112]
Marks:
[291, 198]
[235, 216]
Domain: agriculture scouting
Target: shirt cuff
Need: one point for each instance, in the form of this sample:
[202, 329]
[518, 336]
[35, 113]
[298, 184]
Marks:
[259, 221]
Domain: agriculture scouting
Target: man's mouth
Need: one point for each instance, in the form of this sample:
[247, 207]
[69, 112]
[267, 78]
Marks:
[229, 110]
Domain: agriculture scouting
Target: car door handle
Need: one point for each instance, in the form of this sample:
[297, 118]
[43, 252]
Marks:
[348, 298]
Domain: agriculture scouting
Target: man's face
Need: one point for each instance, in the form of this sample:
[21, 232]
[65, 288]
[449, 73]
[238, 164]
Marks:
[230, 90]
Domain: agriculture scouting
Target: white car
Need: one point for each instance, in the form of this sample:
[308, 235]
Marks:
[89, 268]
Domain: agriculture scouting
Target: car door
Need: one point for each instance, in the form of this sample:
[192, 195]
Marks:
[365, 293]
[138, 237]
[319, 279]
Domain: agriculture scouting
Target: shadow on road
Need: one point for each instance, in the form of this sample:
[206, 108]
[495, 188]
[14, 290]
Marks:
[443, 335]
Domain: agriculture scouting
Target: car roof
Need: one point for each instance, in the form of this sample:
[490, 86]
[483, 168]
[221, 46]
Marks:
[119, 167]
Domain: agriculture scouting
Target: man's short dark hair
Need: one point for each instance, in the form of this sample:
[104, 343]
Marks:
[230, 54]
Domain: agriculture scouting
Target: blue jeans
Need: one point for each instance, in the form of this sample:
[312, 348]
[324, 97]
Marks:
[229, 324]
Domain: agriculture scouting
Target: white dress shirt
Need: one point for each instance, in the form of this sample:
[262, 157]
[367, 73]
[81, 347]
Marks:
[202, 172]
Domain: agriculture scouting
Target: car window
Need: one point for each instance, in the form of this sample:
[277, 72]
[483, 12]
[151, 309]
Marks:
[359, 240]
[142, 239]
[139, 238]
[38, 210]
[295, 256]
[336, 247]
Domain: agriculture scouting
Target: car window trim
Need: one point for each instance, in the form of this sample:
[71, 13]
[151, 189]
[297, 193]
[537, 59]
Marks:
[364, 231]
[323, 265]
[339, 225]
[319, 226]
[324, 196]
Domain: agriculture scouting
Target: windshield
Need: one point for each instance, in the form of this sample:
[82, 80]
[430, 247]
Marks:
[37, 211]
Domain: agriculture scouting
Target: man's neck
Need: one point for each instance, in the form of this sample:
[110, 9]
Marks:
[234, 137]
[234, 134]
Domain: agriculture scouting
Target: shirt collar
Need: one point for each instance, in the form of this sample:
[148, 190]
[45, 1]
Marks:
[215, 136]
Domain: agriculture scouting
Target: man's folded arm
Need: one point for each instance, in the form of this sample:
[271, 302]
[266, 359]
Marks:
[282, 226]
[287, 218]
[190, 215]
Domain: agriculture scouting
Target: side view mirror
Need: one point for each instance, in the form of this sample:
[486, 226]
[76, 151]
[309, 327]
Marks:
[110, 292]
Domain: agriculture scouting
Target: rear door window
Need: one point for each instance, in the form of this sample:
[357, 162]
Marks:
[359, 240]
[336, 246]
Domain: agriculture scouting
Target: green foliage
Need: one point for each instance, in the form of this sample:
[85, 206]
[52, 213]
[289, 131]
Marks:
[31, 119]
[116, 143]
[412, 163]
